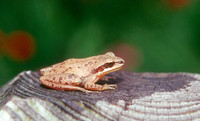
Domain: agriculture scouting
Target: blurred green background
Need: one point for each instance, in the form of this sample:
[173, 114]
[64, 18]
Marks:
[152, 36]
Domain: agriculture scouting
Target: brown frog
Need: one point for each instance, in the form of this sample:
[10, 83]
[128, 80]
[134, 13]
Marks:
[81, 74]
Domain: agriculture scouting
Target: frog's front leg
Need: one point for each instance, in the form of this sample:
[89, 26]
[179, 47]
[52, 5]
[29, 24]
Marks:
[62, 82]
[107, 78]
[90, 84]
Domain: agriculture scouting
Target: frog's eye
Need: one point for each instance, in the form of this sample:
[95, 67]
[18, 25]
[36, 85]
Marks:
[110, 53]
[108, 65]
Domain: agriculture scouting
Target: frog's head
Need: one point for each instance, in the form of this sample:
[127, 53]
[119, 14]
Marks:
[109, 63]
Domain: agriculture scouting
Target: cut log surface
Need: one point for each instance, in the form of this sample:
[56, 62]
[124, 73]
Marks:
[139, 96]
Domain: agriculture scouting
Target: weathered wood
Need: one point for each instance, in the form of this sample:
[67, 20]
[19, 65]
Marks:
[139, 96]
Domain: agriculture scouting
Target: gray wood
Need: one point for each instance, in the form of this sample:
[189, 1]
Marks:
[139, 96]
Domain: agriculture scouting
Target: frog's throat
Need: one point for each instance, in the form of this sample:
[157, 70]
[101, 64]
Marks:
[111, 70]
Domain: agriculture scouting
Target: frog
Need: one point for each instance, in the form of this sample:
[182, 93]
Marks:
[81, 73]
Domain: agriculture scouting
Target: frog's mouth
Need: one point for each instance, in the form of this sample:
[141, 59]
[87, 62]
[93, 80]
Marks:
[108, 68]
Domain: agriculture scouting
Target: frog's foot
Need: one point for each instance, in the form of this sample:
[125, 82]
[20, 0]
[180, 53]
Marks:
[109, 86]
[98, 87]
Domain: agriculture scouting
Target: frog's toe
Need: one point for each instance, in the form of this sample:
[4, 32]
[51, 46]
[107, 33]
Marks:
[110, 86]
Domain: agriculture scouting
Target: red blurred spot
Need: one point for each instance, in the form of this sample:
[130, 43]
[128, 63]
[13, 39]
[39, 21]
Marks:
[129, 53]
[20, 45]
[1, 42]
[178, 3]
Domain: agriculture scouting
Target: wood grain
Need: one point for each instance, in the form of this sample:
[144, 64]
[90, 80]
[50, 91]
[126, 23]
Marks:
[139, 96]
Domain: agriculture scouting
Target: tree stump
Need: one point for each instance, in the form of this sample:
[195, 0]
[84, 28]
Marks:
[139, 96]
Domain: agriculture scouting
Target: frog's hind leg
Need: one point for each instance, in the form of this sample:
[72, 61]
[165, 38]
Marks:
[62, 82]
[57, 86]
[63, 79]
